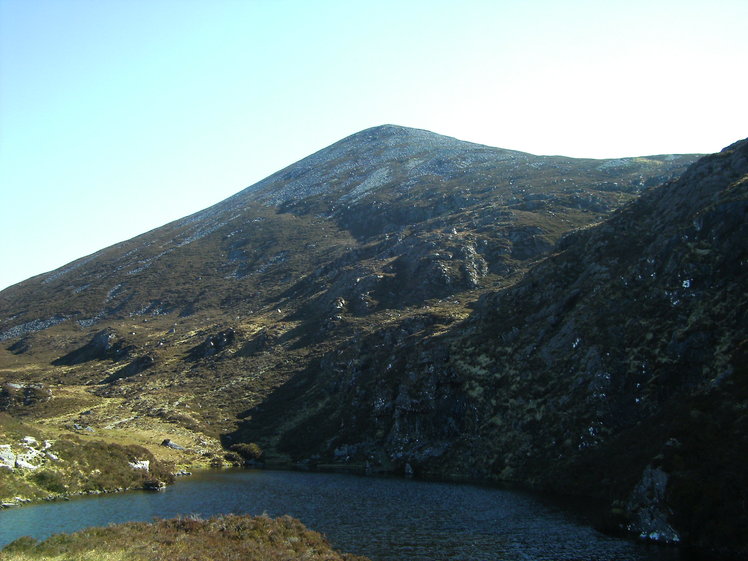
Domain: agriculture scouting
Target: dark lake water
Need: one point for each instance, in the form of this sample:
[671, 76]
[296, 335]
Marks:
[387, 519]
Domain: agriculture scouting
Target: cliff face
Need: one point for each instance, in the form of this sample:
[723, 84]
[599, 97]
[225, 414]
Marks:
[628, 350]
[616, 368]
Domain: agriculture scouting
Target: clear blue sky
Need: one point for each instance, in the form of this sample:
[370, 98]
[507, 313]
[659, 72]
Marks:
[118, 116]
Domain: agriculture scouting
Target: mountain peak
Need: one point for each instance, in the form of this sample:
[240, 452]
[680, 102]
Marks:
[394, 134]
[390, 130]
[369, 157]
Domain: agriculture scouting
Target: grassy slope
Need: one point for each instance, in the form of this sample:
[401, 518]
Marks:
[74, 464]
[222, 538]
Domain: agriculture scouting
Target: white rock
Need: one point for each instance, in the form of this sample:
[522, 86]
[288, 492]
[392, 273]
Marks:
[141, 464]
[7, 457]
[23, 464]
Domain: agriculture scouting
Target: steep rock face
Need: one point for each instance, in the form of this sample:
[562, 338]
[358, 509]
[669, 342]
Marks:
[615, 368]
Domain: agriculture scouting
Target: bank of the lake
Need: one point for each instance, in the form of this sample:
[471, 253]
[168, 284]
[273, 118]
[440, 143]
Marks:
[386, 519]
[220, 538]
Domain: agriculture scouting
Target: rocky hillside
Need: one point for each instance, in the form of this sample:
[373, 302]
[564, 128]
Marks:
[194, 322]
[323, 314]
[431, 214]
[615, 368]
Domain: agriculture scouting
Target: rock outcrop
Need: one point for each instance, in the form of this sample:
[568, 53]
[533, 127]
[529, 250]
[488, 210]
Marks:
[15, 396]
[104, 345]
[213, 345]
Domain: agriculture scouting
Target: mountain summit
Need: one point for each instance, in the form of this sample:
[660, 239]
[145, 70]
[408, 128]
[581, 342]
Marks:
[402, 301]
[370, 160]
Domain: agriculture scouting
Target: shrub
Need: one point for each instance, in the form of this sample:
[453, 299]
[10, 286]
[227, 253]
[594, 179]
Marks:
[24, 543]
[250, 451]
[224, 538]
[50, 481]
[233, 458]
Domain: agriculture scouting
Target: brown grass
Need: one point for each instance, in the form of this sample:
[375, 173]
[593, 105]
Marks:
[222, 538]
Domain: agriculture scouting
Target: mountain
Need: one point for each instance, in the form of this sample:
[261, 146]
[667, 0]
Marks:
[383, 223]
[404, 301]
[380, 194]
[615, 368]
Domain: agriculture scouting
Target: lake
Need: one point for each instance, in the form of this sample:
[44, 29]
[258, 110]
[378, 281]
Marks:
[387, 519]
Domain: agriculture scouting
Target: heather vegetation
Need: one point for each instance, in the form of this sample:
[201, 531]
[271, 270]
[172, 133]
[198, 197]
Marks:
[34, 468]
[176, 333]
[224, 538]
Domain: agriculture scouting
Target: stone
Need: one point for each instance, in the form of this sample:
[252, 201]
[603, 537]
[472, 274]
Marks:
[154, 485]
[648, 507]
[23, 463]
[7, 457]
[145, 465]
[169, 444]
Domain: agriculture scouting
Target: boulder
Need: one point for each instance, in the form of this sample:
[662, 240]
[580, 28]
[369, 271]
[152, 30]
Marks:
[104, 345]
[7, 457]
[169, 444]
[145, 465]
[213, 345]
[154, 485]
[648, 508]
[22, 462]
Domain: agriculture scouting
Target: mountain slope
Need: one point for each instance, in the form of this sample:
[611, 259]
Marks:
[343, 241]
[381, 185]
[615, 368]
[348, 269]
